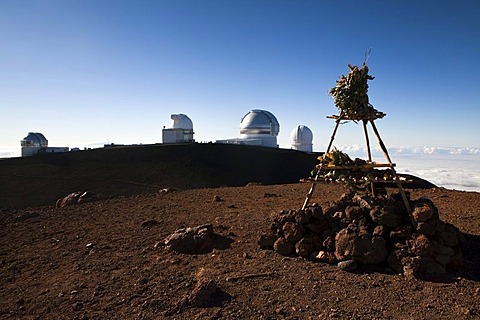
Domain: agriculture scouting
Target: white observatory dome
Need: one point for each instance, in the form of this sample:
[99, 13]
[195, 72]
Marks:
[259, 122]
[302, 138]
[181, 130]
[259, 127]
[34, 139]
[181, 121]
[32, 143]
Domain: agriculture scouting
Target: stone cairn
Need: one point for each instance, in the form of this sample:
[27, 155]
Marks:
[364, 230]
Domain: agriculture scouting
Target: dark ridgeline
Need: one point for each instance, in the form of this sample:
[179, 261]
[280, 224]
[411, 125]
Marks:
[129, 170]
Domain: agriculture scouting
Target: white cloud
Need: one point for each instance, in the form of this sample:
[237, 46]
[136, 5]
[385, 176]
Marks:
[452, 168]
[10, 152]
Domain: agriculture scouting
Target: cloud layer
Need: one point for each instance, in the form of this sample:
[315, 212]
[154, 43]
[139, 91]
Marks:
[452, 168]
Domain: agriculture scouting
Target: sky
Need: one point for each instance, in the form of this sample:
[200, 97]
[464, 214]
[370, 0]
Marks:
[90, 72]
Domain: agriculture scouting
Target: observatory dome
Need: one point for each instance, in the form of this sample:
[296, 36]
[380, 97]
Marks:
[302, 138]
[181, 121]
[259, 122]
[181, 130]
[34, 139]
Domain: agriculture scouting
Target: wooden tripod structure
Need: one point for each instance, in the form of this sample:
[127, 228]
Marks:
[370, 165]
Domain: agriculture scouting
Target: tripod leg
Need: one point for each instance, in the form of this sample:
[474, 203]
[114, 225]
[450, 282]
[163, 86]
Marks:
[399, 184]
[337, 123]
[310, 192]
[369, 153]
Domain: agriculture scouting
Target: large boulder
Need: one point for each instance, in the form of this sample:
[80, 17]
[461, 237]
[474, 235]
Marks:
[386, 215]
[358, 244]
[77, 198]
[293, 231]
[284, 247]
[193, 240]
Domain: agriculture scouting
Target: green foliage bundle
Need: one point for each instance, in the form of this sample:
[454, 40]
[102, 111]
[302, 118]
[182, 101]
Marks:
[351, 93]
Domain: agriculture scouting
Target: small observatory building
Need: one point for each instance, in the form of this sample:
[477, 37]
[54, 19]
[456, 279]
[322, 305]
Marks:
[258, 128]
[181, 130]
[302, 137]
[35, 143]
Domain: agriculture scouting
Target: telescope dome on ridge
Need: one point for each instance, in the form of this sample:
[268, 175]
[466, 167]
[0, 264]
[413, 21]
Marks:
[257, 128]
[34, 139]
[181, 121]
[302, 137]
[259, 122]
[35, 143]
[181, 130]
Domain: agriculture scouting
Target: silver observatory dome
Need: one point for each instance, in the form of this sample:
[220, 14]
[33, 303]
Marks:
[258, 122]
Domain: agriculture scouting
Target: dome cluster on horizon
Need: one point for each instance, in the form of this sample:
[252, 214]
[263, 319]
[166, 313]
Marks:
[257, 127]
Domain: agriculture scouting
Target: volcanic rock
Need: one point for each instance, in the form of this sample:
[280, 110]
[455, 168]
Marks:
[283, 247]
[293, 232]
[386, 215]
[191, 240]
[359, 245]
[370, 230]
[77, 198]
[305, 247]
[348, 265]
[266, 241]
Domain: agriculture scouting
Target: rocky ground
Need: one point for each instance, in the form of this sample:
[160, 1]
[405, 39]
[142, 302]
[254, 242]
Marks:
[107, 259]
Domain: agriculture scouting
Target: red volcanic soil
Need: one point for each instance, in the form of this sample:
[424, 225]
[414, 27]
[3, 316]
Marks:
[106, 259]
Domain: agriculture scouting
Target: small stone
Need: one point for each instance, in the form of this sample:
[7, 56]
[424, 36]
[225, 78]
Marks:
[202, 294]
[305, 247]
[466, 311]
[266, 241]
[316, 211]
[380, 231]
[348, 265]
[217, 198]
[427, 228]
[293, 231]
[284, 247]
[302, 217]
[77, 306]
[329, 243]
[149, 223]
[400, 232]
[192, 240]
[422, 211]
[353, 212]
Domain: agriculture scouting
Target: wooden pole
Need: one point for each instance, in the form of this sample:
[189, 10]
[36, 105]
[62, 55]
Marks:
[367, 140]
[337, 123]
[380, 142]
[399, 184]
[310, 192]
[369, 153]
[314, 183]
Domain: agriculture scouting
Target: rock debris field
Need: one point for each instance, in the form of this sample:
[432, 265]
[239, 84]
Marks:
[243, 253]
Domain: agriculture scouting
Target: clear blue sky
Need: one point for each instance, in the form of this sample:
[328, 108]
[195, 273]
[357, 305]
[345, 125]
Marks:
[88, 72]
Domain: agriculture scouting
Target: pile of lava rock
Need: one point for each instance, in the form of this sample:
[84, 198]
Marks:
[364, 230]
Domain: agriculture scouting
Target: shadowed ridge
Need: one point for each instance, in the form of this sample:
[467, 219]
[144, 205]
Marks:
[129, 170]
